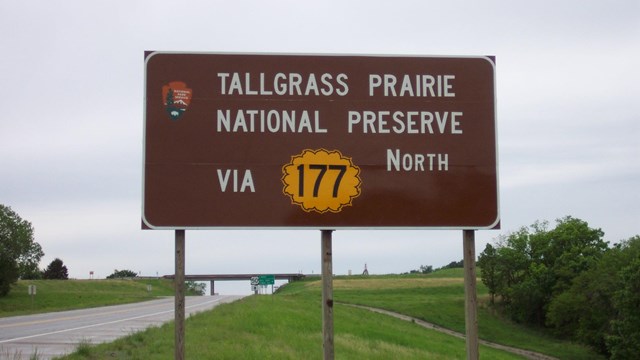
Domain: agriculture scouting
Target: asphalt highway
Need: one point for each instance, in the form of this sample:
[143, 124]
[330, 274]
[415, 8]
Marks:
[59, 333]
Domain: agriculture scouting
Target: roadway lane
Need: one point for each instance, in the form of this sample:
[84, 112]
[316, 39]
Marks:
[55, 334]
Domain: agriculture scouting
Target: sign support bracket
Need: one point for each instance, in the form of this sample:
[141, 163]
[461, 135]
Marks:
[327, 295]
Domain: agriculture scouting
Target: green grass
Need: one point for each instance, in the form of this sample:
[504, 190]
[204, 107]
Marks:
[58, 295]
[439, 298]
[288, 327]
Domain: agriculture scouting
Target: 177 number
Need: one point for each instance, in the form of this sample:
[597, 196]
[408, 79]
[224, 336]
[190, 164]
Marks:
[322, 168]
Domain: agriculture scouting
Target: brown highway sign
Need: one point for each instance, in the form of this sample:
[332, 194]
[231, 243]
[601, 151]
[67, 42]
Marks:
[319, 141]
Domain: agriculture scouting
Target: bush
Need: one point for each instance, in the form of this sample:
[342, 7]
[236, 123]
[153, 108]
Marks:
[120, 274]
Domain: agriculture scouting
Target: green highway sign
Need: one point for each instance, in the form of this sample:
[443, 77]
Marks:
[267, 279]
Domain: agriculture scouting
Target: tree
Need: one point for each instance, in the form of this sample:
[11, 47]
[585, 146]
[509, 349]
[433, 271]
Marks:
[520, 278]
[531, 268]
[573, 249]
[624, 343]
[512, 264]
[488, 264]
[19, 253]
[119, 274]
[453, 265]
[8, 274]
[588, 311]
[196, 288]
[169, 99]
[426, 269]
[56, 271]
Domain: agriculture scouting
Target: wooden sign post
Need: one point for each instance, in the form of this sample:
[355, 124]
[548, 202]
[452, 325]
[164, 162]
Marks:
[327, 295]
[179, 297]
[470, 296]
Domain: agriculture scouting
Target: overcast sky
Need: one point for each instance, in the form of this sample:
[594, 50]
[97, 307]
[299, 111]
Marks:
[71, 89]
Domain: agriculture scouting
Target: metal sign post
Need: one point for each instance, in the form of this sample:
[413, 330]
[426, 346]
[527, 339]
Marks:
[327, 295]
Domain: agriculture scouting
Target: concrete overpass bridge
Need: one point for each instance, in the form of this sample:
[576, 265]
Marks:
[212, 278]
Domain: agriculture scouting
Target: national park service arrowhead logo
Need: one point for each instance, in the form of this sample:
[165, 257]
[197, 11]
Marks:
[176, 98]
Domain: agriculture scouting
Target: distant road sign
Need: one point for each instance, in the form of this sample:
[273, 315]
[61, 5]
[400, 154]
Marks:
[321, 142]
[267, 279]
[255, 280]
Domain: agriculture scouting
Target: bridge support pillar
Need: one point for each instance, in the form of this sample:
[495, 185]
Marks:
[213, 289]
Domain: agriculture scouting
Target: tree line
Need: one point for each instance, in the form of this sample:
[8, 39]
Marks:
[566, 278]
[20, 257]
[569, 280]
[428, 269]
[20, 254]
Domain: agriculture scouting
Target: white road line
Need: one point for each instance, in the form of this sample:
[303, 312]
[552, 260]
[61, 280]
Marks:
[105, 323]
[82, 316]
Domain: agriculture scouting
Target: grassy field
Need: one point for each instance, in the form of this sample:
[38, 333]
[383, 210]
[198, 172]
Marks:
[57, 295]
[288, 325]
[439, 298]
